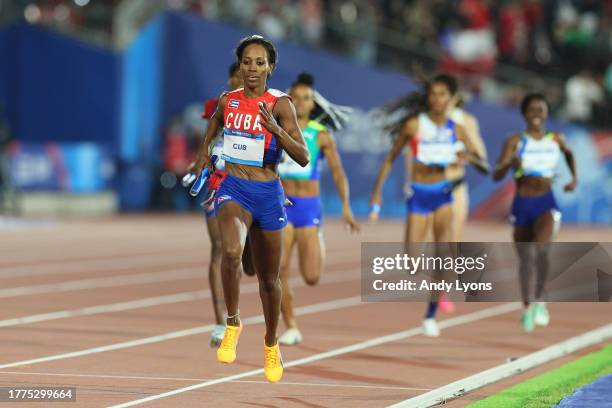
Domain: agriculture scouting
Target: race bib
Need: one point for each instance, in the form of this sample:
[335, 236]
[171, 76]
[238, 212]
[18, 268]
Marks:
[243, 147]
[539, 157]
[540, 163]
[437, 153]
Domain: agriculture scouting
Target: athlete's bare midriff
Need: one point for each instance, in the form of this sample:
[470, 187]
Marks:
[532, 186]
[254, 173]
[455, 171]
[427, 174]
[301, 188]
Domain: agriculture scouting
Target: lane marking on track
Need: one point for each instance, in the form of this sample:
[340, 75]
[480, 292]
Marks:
[134, 377]
[77, 266]
[106, 282]
[109, 263]
[335, 277]
[304, 310]
[456, 321]
[465, 385]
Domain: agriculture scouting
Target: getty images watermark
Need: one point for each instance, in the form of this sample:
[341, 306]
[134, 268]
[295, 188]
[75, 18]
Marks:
[486, 271]
[432, 266]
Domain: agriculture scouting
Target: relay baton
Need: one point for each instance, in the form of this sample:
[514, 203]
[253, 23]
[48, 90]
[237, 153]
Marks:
[199, 183]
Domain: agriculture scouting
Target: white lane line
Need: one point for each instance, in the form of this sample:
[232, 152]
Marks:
[465, 385]
[101, 263]
[100, 250]
[108, 308]
[318, 307]
[134, 377]
[72, 266]
[106, 282]
[341, 276]
[456, 321]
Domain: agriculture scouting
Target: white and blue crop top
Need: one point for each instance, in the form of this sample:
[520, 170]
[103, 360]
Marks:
[436, 145]
[539, 157]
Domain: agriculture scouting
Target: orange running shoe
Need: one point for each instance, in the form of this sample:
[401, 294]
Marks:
[273, 363]
[226, 353]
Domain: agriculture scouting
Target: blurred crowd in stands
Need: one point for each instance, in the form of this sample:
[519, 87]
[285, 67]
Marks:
[91, 20]
[500, 49]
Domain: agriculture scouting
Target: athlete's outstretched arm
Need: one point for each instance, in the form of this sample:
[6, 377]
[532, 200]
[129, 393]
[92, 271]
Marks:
[406, 133]
[329, 150]
[472, 130]
[473, 155]
[507, 158]
[288, 133]
[215, 123]
[570, 160]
